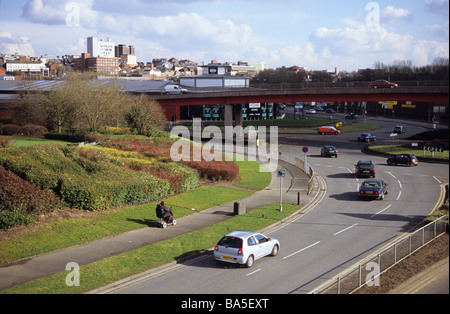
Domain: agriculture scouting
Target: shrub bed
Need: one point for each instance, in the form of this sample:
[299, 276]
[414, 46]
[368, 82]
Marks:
[21, 201]
[80, 182]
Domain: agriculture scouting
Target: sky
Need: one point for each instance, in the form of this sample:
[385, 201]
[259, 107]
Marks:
[314, 34]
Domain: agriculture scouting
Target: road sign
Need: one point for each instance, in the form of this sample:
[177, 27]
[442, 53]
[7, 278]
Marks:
[281, 173]
[305, 149]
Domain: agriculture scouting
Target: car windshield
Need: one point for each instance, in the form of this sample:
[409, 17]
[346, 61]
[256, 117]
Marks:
[371, 184]
[231, 242]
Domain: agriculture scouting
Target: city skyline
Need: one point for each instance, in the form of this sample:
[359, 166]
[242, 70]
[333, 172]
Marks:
[317, 34]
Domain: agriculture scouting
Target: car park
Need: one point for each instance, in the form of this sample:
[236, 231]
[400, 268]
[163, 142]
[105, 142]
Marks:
[399, 129]
[373, 189]
[244, 247]
[365, 169]
[329, 151]
[403, 159]
[383, 84]
[329, 130]
[367, 137]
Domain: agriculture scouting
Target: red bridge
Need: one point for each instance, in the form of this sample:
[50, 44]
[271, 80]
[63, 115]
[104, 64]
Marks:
[233, 99]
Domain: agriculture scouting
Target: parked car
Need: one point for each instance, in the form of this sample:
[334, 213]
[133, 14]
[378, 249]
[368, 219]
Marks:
[310, 111]
[329, 130]
[245, 247]
[330, 110]
[365, 169]
[351, 116]
[329, 151]
[403, 159]
[383, 84]
[373, 189]
[399, 129]
[174, 90]
[367, 137]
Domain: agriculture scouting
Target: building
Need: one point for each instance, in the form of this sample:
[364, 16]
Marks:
[215, 75]
[87, 63]
[27, 67]
[100, 48]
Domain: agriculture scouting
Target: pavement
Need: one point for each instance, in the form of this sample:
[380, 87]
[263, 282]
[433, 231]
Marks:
[36, 267]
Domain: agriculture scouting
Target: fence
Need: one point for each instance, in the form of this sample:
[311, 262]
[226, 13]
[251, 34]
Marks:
[369, 270]
[303, 165]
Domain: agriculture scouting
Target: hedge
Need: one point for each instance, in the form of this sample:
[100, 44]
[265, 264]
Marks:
[80, 182]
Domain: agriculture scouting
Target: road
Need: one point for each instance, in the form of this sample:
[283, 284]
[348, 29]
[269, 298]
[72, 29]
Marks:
[340, 231]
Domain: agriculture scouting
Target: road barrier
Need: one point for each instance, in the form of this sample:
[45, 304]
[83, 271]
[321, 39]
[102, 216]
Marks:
[369, 270]
[303, 165]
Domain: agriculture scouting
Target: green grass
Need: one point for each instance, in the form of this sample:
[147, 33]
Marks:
[66, 233]
[127, 264]
[29, 141]
[399, 149]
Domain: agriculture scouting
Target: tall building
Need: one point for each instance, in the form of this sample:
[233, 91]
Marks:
[100, 48]
[87, 63]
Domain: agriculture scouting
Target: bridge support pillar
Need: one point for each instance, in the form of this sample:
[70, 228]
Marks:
[233, 110]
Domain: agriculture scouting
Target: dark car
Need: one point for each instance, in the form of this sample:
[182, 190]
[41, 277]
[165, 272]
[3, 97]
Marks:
[367, 137]
[329, 151]
[329, 110]
[399, 129]
[403, 159]
[351, 116]
[383, 84]
[365, 169]
[373, 189]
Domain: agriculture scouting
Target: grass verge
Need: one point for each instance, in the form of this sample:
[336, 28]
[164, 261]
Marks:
[69, 232]
[400, 149]
[127, 264]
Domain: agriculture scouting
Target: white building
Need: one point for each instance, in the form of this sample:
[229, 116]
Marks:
[27, 66]
[100, 48]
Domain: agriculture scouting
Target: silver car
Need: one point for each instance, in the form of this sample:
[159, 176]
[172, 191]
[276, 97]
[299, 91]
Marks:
[244, 247]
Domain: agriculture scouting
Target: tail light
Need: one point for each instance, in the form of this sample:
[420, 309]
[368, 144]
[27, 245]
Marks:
[240, 252]
[376, 193]
[361, 192]
[217, 247]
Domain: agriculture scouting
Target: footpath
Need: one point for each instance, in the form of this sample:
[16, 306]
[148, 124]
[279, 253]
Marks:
[36, 267]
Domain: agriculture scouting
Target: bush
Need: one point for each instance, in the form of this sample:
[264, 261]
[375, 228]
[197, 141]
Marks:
[33, 130]
[12, 218]
[6, 141]
[216, 170]
[16, 193]
[10, 129]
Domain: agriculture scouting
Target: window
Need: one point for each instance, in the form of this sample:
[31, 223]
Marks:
[251, 241]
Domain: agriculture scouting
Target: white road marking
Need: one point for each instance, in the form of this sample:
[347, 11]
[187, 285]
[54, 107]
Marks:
[299, 251]
[254, 272]
[399, 194]
[348, 228]
[380, 211]
[437, 180]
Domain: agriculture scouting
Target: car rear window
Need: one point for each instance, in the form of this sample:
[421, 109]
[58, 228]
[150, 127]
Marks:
[365, 166]
[371, 184]
[232, 242]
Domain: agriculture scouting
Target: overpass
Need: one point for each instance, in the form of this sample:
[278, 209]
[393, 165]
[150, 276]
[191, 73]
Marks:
[233, 99]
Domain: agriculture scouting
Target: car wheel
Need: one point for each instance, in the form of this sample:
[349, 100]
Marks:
[250, 261]
[275, 250]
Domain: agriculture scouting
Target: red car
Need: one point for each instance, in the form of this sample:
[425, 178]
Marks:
[383, 84]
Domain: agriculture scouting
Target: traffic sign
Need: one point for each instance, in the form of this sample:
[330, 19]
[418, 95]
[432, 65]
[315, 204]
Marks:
[281, 173]
[305, 149]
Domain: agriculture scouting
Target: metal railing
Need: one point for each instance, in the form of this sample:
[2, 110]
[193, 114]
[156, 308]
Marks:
[361, 274]
[302, 165]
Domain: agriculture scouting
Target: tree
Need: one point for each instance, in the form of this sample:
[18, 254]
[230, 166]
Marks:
[145, 116]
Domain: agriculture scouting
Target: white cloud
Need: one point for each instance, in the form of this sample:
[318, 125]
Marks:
[391, 14]
[10, 44]
[186, 27]
[56, 12]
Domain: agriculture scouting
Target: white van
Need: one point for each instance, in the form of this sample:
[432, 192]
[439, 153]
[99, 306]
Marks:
[174, 89]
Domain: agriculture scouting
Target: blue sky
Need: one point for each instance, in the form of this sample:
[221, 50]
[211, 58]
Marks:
[315, 34]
